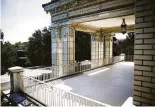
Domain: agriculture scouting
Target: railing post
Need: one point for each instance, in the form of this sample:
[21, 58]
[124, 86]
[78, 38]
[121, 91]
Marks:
[16, 78]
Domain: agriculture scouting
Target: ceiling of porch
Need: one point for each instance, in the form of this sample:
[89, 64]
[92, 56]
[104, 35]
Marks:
[106, 25]
[111, 22]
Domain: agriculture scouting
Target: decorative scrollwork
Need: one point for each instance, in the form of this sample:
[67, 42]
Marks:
[53, 33]
[71, 31]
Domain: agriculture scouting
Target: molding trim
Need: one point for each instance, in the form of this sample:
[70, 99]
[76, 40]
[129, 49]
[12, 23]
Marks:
[72, 10]
[103, 15]
[92, 29]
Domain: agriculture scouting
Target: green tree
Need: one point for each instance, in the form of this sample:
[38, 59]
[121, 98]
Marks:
[125, 46]
[46, 33]
[35, 48]
[39, 48]
[2, 35]
[8, 56]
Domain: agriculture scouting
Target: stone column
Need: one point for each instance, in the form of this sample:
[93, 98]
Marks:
[108, 45]
[54, 45]
[101, 50]
[16, 79]
[94, 51]
[71, 39]
[68, 47]
[59, 51]
[97, 50]
[71, 48]
[144, 50]
[59, 47]
[108, 49]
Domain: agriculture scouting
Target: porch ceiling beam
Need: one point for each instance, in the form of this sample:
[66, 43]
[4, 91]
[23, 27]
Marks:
[87, 28]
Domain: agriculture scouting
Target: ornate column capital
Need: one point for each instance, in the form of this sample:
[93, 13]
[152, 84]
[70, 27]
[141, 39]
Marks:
[58, 31]
[58, 27]
[108, 38]
[71, 30]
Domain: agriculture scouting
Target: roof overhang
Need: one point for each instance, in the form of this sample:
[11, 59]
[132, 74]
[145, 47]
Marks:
[54, 4]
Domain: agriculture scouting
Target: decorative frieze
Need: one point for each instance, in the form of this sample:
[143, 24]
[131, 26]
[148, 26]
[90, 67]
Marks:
[103, 15]
[61, 16]
[116, 3]
[56, 4]
[82, 27]
[70, 9]
[84, 11]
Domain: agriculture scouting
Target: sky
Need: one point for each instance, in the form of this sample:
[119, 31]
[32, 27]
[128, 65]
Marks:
[20, 19]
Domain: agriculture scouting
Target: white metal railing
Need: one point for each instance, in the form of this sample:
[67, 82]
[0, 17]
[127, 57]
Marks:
[49, 73]
[55, 97]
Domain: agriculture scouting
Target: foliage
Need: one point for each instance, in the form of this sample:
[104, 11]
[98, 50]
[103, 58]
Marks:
[46, 46]
[8, 56]
[125, 46]
[2, 35]
[39, 48]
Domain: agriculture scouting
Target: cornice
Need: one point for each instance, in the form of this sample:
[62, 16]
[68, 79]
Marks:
[106, 5]
[55, 4]
[62, 6]
[77, 4]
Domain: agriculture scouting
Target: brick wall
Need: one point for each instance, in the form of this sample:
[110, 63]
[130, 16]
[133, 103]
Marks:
[144, 73]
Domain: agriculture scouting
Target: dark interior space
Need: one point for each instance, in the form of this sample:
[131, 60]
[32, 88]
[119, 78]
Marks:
[82, 46]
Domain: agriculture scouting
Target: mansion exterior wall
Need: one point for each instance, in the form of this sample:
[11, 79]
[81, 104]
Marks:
[144, 50]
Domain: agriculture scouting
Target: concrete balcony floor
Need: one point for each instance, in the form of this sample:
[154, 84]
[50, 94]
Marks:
[111, 85]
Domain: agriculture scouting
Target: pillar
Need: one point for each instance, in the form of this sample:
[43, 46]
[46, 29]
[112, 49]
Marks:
[94, 51]
[71, 41]
[108, 45]
[57, 50]
[54, 46]
[144, 50]
[108, 49]
[68, 40]
[16, 79]
[101, 50]
[97, 50]
[63, 48]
